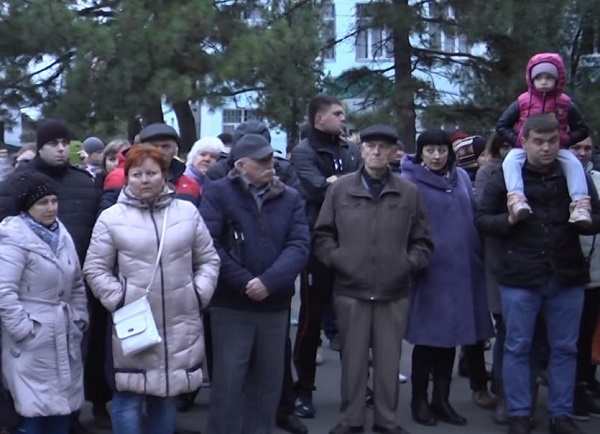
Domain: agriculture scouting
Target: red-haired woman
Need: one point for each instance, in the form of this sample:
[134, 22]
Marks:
[163, 251]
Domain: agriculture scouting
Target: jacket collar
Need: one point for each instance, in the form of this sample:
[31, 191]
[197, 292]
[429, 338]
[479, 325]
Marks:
[274, 189]
[358, 186]
[322, 141]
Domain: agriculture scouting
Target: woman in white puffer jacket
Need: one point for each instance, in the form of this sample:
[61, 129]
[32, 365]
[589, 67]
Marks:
[128, 235]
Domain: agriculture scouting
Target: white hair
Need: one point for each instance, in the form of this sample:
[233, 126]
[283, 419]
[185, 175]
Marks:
[205, 144]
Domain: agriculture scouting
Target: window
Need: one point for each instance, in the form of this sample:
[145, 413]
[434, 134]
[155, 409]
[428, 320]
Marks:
[371, 42]
[233, 117]
[328, 31]
[446, 39]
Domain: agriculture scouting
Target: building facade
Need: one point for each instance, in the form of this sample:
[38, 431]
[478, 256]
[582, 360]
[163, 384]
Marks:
[346, 49]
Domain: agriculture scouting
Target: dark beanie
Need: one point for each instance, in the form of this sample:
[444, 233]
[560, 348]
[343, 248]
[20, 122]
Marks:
[52, 129]
[29, 187]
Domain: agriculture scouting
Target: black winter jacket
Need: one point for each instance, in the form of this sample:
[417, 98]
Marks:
[318, 157]
[545, 245]
[78, 199]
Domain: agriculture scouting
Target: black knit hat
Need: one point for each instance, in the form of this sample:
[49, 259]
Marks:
[435, 137]
[29, 187]
[52, 129]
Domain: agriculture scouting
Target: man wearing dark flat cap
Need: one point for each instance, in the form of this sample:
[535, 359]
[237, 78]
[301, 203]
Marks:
[260, 230]
[373, 233]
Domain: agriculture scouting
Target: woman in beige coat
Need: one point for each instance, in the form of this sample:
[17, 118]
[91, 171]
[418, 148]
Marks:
[128, 235]
[43, 310]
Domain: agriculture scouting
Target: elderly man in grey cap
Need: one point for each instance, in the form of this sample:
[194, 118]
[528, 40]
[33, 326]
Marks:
[260, 231]
[372, 232]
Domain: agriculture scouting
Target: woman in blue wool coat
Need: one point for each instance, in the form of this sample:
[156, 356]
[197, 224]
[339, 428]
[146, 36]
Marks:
[448, 303]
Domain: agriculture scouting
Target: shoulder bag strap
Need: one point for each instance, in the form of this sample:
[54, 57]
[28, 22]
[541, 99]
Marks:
[160, 249]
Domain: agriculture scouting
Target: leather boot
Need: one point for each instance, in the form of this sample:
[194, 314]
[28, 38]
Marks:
[441, 406]
[421, 411]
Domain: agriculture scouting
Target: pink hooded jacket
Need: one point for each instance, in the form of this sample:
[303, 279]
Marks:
[572, 127]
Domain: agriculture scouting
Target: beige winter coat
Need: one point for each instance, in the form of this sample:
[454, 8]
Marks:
[127, 235]
[43, 308]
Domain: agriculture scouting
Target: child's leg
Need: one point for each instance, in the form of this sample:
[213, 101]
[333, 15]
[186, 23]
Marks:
[573, 171]
[512, 168]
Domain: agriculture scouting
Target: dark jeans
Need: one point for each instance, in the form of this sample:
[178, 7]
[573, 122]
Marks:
[44, 425]
[126, 411]
[315, 292]
[586, 372]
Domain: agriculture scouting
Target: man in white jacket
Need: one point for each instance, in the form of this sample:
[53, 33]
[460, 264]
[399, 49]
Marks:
[583, 405]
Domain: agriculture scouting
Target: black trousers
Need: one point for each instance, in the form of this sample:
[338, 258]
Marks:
[96, 388]
[315, 292]
[589, 316]
[427, 361]
[475, 359]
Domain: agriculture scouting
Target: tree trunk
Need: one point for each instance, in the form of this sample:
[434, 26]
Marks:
[153, 113]
[187, 125]
[403, 100]
[133, 128]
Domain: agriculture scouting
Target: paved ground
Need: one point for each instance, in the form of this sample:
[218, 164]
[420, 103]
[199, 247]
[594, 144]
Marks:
[326, 400]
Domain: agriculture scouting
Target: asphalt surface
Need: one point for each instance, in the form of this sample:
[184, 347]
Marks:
[326, 400]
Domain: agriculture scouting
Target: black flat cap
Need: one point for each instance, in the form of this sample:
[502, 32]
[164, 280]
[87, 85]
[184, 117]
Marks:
[252, 146]
[380, 132]
[156, 130]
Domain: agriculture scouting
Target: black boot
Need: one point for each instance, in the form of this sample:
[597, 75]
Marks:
[441, 406]
[519, 425]
[421, 368]
[500, 416]
[421, 411]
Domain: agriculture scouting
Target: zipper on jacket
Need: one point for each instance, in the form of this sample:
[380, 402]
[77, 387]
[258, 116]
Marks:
[544, 102]
[162, 291]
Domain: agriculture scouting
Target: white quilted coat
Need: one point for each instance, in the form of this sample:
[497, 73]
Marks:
[127, 235]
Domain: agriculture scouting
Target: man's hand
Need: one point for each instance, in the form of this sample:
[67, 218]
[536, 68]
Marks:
[332, 179]
[256, 290]
[511, 199]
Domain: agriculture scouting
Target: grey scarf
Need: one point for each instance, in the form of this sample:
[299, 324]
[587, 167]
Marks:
[48, 234]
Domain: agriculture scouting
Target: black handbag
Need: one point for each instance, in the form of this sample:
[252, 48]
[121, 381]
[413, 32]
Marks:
[9, 418]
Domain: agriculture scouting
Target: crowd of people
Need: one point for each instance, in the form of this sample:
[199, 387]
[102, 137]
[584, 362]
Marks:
[137, 277]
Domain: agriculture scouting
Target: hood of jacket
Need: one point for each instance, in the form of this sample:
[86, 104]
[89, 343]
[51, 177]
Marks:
[557, 61]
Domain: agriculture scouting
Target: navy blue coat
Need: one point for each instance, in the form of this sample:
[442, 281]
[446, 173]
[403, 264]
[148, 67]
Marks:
[276, 241]
[449, 300]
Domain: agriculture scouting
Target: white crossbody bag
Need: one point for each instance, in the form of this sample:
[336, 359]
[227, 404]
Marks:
[134, 322]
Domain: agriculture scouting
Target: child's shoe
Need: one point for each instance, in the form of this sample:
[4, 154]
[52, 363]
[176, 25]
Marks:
[581, 217]
[521, 210]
